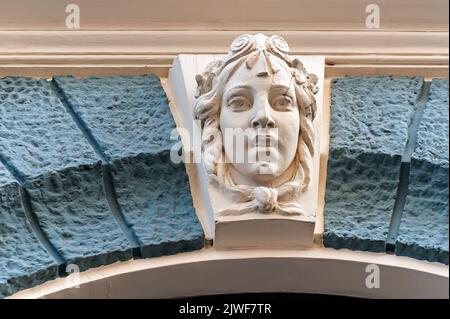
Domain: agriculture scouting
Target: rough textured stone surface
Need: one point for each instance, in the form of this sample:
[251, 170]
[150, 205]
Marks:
[157, 200]
[423, 230]
[127, 115]
[37, 135]
[5, 176]
[23, 261]
[72, 209]
[130, 119]
[61, 173]
[432, 136]
[127, 120]
[368, 134]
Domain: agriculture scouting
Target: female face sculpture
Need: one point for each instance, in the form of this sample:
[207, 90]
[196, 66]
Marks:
[261, 105]
[265, 99]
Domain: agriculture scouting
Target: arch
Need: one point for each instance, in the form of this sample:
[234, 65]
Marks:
[211, 272]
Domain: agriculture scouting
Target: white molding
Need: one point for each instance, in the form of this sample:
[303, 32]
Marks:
[210, 271]
[47, 53]
[398, 15]
[217, 42]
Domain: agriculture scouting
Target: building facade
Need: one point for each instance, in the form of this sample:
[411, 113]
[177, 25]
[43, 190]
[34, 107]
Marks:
[94, 103]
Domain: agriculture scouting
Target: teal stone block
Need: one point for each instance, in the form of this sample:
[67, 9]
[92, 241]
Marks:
[130, 120]
[127, 115]
[423, 230]
[370, 118]
[24, 262]
[158, 204]
[61, 173]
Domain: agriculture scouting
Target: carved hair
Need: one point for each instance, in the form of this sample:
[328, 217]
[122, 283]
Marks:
[248, 49]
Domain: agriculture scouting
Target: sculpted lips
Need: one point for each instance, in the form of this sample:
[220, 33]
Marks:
[266, 146]
[264, 140]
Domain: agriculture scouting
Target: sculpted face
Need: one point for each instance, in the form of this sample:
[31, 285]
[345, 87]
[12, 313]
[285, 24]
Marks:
[250, 105]
[263, 105]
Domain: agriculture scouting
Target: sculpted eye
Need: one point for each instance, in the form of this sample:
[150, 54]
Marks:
[239, 103]
[282, 102]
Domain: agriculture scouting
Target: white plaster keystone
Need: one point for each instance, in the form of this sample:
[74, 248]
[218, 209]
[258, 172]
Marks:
[262, 192]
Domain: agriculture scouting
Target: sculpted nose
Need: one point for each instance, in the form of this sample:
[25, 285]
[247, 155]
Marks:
[263, 117]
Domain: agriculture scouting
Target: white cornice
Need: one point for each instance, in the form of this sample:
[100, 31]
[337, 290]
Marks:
[48, 53]
[176, 42]
[395, 15]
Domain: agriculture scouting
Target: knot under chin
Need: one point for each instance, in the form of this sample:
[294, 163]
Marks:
[265, 198]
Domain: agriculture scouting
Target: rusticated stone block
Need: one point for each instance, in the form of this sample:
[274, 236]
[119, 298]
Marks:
[130, 119]
[61, 172]
[23, 260]
[423, 230]
[156, 197]
[127, 116]
[369, 130]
